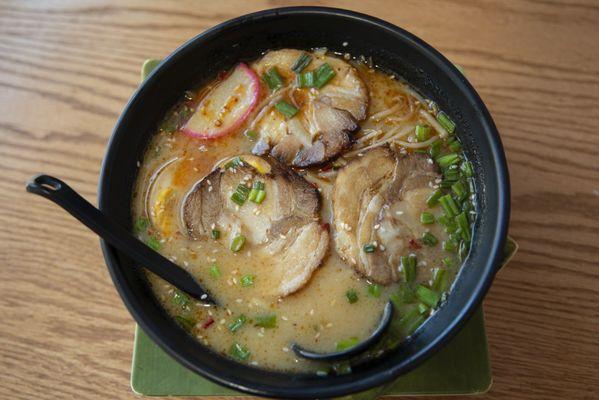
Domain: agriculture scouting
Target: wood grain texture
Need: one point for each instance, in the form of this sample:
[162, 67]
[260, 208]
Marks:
[67, 69]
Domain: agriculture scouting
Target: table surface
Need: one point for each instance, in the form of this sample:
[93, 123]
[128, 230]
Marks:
[67, 69]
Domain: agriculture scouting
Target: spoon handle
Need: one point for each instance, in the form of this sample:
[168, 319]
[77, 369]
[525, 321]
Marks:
[62, 194]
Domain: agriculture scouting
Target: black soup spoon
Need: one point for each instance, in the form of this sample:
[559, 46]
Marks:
[62, 194]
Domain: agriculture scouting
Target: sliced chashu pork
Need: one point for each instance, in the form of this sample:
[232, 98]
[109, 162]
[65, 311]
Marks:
[327, 117]
[378, 199]
[285, 227]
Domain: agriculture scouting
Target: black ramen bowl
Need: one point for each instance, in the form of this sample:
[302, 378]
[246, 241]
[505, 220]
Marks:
[391, 48]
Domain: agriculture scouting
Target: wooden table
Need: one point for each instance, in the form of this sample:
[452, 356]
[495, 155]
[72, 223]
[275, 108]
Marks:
[67, 70]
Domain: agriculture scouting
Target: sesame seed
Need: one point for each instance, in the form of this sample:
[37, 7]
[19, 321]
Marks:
[285, 349]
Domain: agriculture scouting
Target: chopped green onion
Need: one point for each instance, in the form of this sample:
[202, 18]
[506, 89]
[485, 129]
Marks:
[239, 352]
[408, 267]
[448, 245]
[446, 122]
[237, 243]
[185, 322]
[180, 298]
[323, 75]
[252, 135]
[433, 199]
[247, 280]
[427, 218]
[446, 160]
[352, 296]
[240, 195]
[368, 248]
[411, 320]
[403, 295]
[322, 372]
[449, 205]
[266, 321]
[448, 262]
[215, 234]
[260, 197]
[286, 109]
[257, 193]
[347, 343]
[141, 224]
[455, 146]
[451, 174]
[423, 133]
[427, 296]
[153, 243]
[214, 271]
[429, 239]
[305, 80]
[237, 324]
[435, 148]
[234, 163]
[462, 221]
[374, 290]
[459, 190]
[273, 79]
[422, 308]
[302, 62]
[466, 168]
[440, 280]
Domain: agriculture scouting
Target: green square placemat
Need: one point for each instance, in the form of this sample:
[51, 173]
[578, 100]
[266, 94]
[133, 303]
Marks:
[461, 367]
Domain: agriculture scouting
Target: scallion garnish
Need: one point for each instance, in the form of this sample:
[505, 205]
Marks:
[153, 243]
[446, 122]
[448, 262]
[352, 296]
[273, 79]
[234, 163]
[403, 295]
[423, 132]
[215, 234]
[427, 218]
[368, 248]
[347, 343]
[286, 109]
[185, 322]
[449, 205]
[408, 267]
[214, 271]
[466, 168]
[448, 245]
[237, 243]
[323, 75]
[302, 62]
[429, 239]
[463, 249]
[455, 146]
[446, 160]
[433, 199]
[374, 290]
[240, 195]
[141, 224]
[237, 324]
[239, 352]
[247, 280]
[266, 321]
[305, 80]
[422, 308]
[252, 135]
[459, 189]
[427, 296]
[257, 194]
[180, 298]
[462, 221]
[435, 148]
[440, 280]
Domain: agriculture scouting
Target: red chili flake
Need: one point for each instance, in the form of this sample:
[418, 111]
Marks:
[208, 322]
[414, 245]
[327, 167]
[326, 226]
[222, 75]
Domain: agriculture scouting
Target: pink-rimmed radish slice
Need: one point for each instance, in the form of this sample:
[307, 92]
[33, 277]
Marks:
[227, 106]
